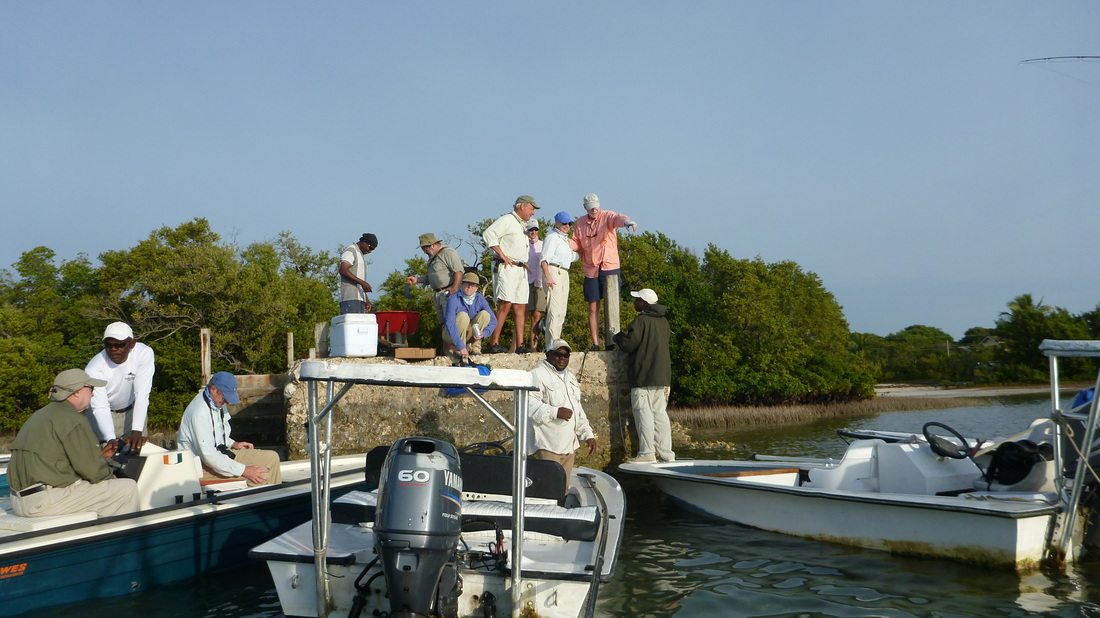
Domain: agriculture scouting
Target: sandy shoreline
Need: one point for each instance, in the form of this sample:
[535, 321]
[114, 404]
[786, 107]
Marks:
[909, 390]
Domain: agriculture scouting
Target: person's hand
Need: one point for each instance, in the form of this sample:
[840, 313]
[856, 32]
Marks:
[110, 448]
[565, 414]
[591, 445]
[136, 440]
[367, 305]
[243, 445]
[256, 474]
[412, 280]
[633, 227]
[550, 282]
[366, 287]
[464, 352]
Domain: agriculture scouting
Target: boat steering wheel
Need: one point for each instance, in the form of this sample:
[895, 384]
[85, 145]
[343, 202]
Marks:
[485, 448]
[944, 447]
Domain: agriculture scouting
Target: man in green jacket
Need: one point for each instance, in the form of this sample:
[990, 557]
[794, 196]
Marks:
[57, 466]
[649, 370]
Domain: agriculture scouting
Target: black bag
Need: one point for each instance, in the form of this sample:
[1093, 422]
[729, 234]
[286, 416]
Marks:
[1012, 461]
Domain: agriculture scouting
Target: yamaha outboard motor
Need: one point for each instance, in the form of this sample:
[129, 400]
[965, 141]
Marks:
[417, 524]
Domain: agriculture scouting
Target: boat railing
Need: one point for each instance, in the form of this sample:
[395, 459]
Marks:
[1056, 350]
[319, 435]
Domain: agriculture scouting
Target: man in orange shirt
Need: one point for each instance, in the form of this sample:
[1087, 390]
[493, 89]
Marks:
[597, 237]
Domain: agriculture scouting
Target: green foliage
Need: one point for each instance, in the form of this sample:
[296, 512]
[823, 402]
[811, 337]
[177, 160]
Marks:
[746, 331]
[1023, 327]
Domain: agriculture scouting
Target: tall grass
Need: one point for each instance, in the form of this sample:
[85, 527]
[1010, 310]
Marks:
[725, 418]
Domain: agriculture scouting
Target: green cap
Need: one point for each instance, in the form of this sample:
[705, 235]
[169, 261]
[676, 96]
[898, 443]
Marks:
[525, 199]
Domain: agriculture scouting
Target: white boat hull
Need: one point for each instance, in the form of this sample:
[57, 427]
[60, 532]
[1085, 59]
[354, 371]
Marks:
[981, 527]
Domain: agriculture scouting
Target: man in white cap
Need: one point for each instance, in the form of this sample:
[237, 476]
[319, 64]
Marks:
[121, 410]
[507, 239]
[205, 431]
[558, 254]
[558, 422]
[598, 243]
[649, 370]
[57, 467]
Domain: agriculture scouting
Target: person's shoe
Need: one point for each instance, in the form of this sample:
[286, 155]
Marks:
[610, 346]
[497, 349]
[671, 457]
[523, 350]
[594, 348]
[475, 347]
[647, 458]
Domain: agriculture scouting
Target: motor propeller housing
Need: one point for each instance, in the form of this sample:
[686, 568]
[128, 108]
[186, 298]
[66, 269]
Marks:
[418, 521]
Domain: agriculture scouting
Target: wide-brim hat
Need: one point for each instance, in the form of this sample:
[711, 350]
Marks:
[473, 278]
[428, 239]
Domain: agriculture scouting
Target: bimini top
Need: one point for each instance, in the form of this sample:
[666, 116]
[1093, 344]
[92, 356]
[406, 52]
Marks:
[1070, 348]
[416, 375]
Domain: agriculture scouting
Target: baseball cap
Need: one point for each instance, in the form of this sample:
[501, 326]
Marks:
[563, 217]
[71, 380]
[645, 294]
[525, 199]
[118, 330]
[591, 201]
[471, 278]
[227, 384]
[558, 344]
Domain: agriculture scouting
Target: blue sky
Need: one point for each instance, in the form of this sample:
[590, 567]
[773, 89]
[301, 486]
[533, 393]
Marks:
[899, 150]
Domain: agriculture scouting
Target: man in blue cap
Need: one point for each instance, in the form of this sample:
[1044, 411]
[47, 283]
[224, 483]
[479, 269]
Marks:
[205, 431]
[558, 253]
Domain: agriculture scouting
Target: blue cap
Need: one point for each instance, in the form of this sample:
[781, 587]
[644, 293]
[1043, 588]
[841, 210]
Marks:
[563, 217]
[227, 384]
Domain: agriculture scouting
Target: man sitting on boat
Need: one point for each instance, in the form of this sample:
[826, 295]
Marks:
[205, 431]
[57, 466]
[558, 422]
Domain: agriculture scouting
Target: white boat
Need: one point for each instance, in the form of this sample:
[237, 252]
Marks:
[184, 529]
[444, 532]
[934, 496]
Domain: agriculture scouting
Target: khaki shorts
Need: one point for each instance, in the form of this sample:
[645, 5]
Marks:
[536, 300]
[511, 284]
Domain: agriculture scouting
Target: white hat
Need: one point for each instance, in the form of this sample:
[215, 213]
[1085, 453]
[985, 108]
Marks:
[118, 330]
[591, 201]
[645, 294]
[558, 344]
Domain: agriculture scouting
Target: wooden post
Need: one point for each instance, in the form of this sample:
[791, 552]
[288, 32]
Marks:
[611, 305]
[289, 350]
[204, 339]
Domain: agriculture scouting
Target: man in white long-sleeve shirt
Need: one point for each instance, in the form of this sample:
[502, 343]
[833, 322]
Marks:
[558, 422]
[119, 410]
[205, 431]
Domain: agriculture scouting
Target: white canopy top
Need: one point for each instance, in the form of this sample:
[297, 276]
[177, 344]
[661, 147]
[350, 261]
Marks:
[416, 375]
[1054, 347]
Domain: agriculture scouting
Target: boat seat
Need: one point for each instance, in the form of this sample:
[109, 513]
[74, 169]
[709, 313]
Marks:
[572, 524]
[857, 470]
[16, 523]
[492, 474]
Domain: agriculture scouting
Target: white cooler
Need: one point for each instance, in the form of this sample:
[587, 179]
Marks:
[353, 334]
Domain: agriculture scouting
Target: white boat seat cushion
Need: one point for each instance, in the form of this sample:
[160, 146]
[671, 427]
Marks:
[16, 523]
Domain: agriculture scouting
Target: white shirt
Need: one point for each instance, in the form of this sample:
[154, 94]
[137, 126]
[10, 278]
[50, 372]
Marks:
[510, 234]
[557, 389]
[127, 384]
[348, 290]
[556, 251]
[203, 427]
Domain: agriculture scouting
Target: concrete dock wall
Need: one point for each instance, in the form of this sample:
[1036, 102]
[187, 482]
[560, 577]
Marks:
[369, 416]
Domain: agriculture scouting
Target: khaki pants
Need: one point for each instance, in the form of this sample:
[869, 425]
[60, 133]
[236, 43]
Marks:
[253, 457]
[566, 462]
[462, 321]
[654, 428]
[557, 300]
[110, 497]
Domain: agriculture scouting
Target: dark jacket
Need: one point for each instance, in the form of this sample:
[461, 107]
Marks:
[646, 343]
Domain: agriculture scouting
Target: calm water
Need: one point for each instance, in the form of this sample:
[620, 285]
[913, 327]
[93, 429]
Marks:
[674, 563]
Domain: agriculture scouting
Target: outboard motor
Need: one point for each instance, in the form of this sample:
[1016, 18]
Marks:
[417, 524]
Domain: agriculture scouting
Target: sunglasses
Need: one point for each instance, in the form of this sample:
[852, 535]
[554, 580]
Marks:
[116, 345]
[561, 354]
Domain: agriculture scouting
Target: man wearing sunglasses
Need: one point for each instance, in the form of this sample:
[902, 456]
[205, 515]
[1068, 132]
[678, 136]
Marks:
[558, 422]
[57, 467]
[119, 411]
[558, 253]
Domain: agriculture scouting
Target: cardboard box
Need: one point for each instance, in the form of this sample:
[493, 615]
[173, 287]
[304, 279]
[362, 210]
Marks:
[414, 353]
